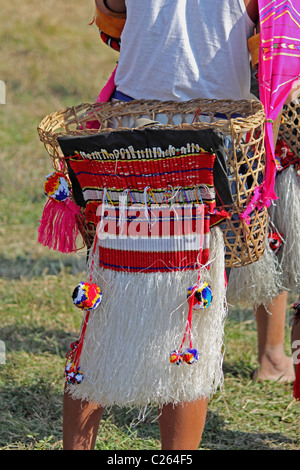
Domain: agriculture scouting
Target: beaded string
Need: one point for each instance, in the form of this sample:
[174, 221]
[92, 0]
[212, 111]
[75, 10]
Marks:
[190, 355]
[72, 369]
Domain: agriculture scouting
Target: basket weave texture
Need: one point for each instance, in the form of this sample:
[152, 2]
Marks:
[289, 129]
[241, 121]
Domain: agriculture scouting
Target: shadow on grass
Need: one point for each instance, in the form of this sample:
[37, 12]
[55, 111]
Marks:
[32, 387]
[30, 413]
[32, 417]
[217, 437]
[36, 340]
[238, 368]
[28, 267]
[33, 414]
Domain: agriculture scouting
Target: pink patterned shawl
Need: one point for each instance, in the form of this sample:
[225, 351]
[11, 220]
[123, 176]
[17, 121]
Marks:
[279, 69]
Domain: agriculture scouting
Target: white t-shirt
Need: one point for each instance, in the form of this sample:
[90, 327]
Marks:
[185, 49]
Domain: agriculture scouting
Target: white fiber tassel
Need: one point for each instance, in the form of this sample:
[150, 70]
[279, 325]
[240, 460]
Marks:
[141, 319]
[150, 216]
[285, 215]
[123, 211]
[260, 282]
[256, 284]
[101, 211]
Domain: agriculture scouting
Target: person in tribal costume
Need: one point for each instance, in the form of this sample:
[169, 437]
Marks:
[280, 265]
[169, 50]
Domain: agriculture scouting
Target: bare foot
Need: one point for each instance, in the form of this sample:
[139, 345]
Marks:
[275, 369]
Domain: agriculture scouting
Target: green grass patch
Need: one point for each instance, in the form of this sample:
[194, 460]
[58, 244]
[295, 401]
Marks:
[52, 58]
[40, 321]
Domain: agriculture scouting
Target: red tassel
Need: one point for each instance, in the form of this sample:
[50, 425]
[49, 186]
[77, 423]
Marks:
[296, 387]
[296, 355]
[59, 225]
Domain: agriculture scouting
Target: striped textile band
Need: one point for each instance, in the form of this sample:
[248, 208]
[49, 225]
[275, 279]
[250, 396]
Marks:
[147, 171]
[191, 175]
[162, 239]
[149, 181]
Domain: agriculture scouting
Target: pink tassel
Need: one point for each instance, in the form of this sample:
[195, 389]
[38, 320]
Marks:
[59, 225]
[255, 202]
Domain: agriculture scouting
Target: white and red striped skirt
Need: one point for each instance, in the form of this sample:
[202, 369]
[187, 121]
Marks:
[154, 211]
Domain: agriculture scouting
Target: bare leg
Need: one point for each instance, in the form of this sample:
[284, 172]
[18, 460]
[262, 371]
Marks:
[274, 364]
[181, 426]
[80, 423]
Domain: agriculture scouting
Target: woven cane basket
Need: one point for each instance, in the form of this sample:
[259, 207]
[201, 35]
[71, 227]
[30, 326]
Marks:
[242, 122]
[289, 129]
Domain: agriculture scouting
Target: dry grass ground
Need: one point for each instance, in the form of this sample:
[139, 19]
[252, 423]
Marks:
[51, 58]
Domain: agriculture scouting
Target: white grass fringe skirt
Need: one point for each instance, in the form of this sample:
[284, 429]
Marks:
[285, 215]
[141, 319]
[260, 282]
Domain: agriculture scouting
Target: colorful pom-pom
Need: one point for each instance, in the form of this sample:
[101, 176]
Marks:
[176, 357]
[57, 186]
[74, 345]
[202, 295]
[199, 297]
[87, 296]
[275, 240]
[190, 356]
[73, 374]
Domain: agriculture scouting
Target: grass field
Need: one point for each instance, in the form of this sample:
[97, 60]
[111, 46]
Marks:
[52, 58]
